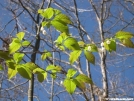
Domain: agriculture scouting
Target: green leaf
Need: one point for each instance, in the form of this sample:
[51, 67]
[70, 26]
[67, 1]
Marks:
[110, 45]
[5, 55]
[1, 67]
[123, 35]
[92, 48]
[59, 40]
[44, 23]
[38, 70]
[45, 55]
[84, 78]
[20, 35]
[30, 65]
[53, 68]
[56, 11]
[47, 13]
[11, 64]
[69, 86]
[71, 43]
[127, 43]
[79, 84]
[71, 72]
[53, 75]
[18, 57]
[89, 56]
[24, 72]
[60, 26]
[11, 73]
[63, 18]
[74, 56]
[25, 43]
[14, 46]
[81, 43]
[42, 76]
[50, 67]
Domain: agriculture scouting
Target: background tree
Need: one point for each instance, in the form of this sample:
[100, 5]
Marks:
[93, 22]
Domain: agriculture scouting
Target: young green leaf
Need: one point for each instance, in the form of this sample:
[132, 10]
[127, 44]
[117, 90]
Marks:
[42, 76]
[89, 56]
[110, 45]
[127, 43]
[5, 55]
[81, 43]
[47, 13]
[123, 35]
[71, 72]
[84, 78]
[24, 72]
[63, 18]
[14, 46]
[20, 35]
[25, 43]
[31, 66]
[53, 75]
[79, 84]
[74, 56]
[50, 67]
[45, 55]
[69, 86]
[71, 43]
[60, 26]
[11, 64]
[92, 48]
[11, 73]
[18, 57]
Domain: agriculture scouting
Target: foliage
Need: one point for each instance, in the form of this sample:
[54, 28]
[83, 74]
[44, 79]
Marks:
[64, 42]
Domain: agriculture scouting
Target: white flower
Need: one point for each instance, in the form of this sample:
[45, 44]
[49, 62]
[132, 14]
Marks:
[102, 44]
[44, 32]
[89, 48]
[61, 82]
[42, 28]
[108, 41]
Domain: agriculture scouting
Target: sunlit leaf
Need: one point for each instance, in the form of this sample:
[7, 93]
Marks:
[89, 56]
[127, 43]
[81, 43]
[92, 48]
[71, 72]
[24, 72]
[14, 46]
[5, 55]
[25, 43]
[20, 35]
[84, 78]
[69, 86]
[47, 13]
[60, 26]
[45, 55]
[42, 76]
[71, 43]
[63, 18]
[18, 57]
[123, 35]
[79, 84]
[11, 64]
[110, 45]
[74, 56]
[30, 65]
[11, 73]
